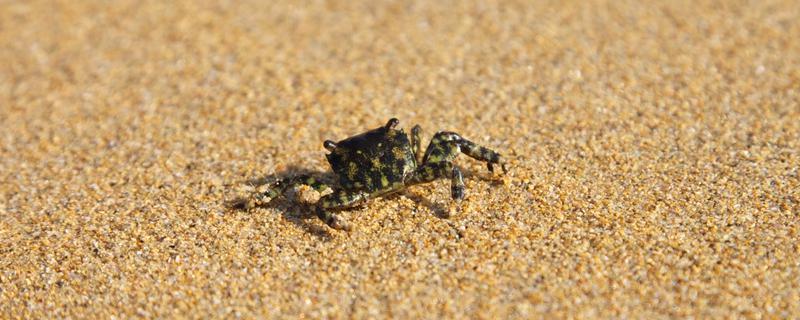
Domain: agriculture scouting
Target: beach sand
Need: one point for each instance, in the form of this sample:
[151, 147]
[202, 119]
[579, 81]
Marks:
[653, 151]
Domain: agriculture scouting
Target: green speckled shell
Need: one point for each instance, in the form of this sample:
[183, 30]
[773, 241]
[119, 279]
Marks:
[374, 161]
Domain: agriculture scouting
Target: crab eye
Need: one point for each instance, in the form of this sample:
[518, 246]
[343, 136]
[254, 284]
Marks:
[330, 145]
[392, 123]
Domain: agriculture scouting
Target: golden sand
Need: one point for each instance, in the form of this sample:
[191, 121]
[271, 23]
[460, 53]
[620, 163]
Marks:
[654, 151]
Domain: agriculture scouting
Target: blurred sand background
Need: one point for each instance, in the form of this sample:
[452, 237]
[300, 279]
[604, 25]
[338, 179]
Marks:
[653, 150]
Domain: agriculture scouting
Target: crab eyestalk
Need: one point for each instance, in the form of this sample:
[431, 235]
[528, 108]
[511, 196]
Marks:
[329, 145]
[393, 122]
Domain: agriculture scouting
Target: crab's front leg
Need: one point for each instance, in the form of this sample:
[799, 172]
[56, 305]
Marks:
[338, 200]
[445, 147]
[436, 170]
[438, 161]
[483, 154]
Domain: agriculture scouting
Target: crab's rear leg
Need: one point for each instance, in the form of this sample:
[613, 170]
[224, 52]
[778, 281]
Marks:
[279, 187]
[338, 200]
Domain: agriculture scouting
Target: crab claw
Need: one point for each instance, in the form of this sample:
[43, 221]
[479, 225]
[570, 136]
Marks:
[339, 224]
[332, 220]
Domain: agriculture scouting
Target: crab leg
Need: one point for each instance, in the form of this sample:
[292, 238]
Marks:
[445, 147]
[436, 170]
[457, 184]
[483, 154]
[438, 161]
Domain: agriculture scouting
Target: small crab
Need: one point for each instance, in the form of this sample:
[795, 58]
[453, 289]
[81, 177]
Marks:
[383, 161]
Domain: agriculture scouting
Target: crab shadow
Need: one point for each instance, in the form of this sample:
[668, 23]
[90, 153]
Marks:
[438, 210]
[302, 215]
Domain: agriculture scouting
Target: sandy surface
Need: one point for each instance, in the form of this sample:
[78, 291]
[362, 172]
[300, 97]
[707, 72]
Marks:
[654, 153]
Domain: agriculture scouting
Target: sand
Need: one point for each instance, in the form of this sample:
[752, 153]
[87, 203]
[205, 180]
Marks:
[653, 151]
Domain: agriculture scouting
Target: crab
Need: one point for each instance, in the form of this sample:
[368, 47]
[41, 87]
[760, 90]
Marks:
[379, 162]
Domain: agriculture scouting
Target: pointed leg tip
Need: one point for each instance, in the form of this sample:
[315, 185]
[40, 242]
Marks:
[458, 194]
[502, 164]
